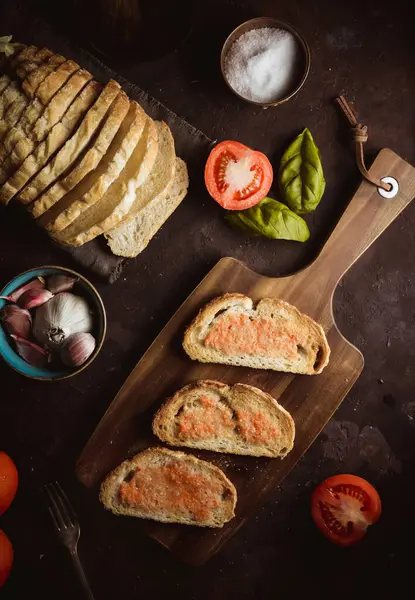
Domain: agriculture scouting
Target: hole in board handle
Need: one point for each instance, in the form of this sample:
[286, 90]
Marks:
[393, 187]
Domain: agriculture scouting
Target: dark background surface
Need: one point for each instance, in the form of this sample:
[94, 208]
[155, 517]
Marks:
[364, 49]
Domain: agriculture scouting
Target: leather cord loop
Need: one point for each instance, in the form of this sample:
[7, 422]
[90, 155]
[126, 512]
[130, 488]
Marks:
[360, 136]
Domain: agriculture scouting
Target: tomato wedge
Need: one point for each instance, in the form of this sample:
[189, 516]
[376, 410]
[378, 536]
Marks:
[8, 481]
[344, 506]
[6, 558]
[236, 176]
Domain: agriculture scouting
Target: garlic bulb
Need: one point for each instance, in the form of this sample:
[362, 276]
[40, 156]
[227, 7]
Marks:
[77, 349]
[59, 318]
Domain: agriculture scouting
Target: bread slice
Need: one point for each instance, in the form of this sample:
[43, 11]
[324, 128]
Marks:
[93, 187]
[237, 419]
[171, 487]
[120, 196]
[271, 335]
[74, 146]
[55, 139]
[132, 237]
[58, 109]
[56, 75]
[88, 163]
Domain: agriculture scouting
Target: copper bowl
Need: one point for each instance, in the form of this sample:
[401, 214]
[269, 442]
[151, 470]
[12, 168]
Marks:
[303, 66]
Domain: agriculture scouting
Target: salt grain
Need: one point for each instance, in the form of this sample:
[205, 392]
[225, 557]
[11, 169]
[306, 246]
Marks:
[261, 65]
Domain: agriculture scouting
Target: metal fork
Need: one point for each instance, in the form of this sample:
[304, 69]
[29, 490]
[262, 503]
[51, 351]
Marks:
[67, 528]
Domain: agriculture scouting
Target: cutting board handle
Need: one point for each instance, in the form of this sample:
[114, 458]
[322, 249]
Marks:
[365, 218]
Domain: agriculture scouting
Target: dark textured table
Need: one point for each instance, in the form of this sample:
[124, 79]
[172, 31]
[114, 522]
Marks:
[364, 49]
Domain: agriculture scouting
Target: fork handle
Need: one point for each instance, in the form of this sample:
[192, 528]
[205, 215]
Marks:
[81, 575]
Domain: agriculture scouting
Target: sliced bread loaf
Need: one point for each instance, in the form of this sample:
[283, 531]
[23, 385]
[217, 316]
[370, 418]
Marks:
[271, 335]
[52, 82]
[88, 163]
[171, 487]
[74, 146]
[94, 186]
[120, 196]
[237, 419]
[54, 140]
[132, 237]
[56, 110]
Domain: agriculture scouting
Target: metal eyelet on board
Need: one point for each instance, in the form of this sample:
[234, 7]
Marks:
[394, 187]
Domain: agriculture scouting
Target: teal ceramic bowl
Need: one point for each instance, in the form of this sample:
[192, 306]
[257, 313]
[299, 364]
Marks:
[87, 290]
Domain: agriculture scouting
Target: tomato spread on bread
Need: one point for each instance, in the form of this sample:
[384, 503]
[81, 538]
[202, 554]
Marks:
[174, 487]
[236, 333]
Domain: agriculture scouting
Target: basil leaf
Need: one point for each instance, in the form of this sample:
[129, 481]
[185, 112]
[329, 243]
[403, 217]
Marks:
[270, 219]
[6, 46]
[301, 175]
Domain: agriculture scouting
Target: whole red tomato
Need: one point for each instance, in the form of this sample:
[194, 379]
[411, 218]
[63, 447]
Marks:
[6, 558]
[8, 481]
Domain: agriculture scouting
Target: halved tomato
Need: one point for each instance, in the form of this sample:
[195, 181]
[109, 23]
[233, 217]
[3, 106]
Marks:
[236, 176]
[6, 558]
[8, 481]
[344, 506]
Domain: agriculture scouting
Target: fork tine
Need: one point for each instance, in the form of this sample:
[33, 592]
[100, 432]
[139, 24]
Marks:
[54, 509]
[60, 502]
[68, 505]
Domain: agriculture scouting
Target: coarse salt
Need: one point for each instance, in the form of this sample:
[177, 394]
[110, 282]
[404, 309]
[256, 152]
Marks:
[261, 65]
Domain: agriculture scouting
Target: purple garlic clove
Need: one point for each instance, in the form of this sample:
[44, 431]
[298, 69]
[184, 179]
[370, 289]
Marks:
[34, 297]
[16, 320]
[60, 283]
[35, 284]
[77, 349]
[31, 353]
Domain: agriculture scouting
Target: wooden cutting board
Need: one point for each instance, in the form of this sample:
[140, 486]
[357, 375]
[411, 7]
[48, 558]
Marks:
[126, 427]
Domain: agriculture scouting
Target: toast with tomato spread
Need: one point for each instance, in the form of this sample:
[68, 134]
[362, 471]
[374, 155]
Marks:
[271, 335]
[172, 487]
[237, 419]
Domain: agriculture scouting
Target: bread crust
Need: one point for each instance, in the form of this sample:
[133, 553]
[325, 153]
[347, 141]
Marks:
[316, 355]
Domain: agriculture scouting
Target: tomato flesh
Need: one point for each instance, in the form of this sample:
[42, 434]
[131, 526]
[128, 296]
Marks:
[6, 558]
[344, 506]
[8, 481]
[236, 176]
